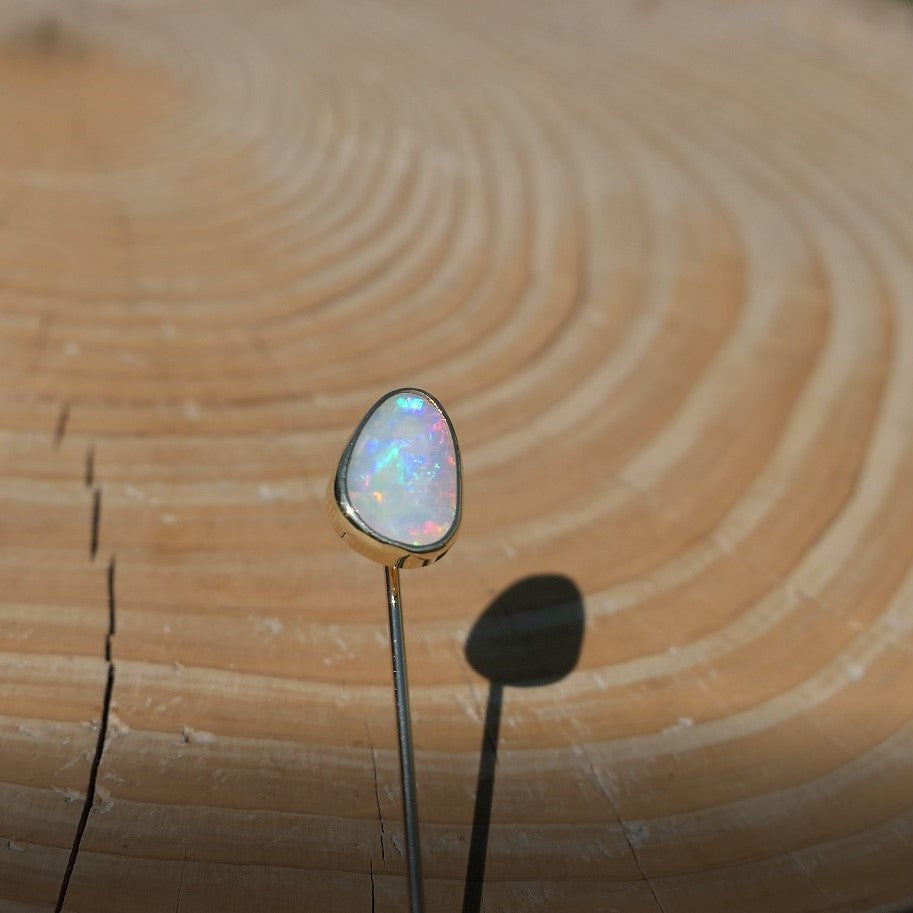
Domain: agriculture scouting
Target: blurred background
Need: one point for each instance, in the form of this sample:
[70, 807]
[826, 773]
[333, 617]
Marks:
[656, 259]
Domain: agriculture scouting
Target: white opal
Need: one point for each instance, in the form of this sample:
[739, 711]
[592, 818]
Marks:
[401, 477]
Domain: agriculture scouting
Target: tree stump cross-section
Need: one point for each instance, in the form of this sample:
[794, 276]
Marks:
[656, 259]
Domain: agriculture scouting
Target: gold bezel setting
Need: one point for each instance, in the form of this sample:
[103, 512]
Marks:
[367, 541]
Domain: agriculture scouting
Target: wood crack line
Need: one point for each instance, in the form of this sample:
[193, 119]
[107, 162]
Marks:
[102, 734]
[380, 816]
[60, 429]
[624, 830]
[96, 523]
[371, 872]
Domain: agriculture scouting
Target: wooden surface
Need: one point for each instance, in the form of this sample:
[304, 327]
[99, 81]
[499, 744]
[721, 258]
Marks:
[657, 260]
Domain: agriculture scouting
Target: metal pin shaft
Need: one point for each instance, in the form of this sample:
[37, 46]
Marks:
[404, 731]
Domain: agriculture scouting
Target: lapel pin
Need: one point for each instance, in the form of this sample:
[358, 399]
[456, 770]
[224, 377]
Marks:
[396, 499]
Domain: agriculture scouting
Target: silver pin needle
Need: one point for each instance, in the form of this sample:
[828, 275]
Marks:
[404, 732]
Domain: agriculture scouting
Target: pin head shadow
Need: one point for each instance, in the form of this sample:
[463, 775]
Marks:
[530, 635]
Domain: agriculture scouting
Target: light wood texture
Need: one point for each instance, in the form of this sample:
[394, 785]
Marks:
[657, 260]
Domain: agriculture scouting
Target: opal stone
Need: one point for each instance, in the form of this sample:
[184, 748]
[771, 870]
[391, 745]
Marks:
[402, 473]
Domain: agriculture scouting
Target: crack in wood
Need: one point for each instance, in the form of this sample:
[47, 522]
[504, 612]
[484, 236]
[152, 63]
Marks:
[103, 724]
[60, 429]
[177, 902]
[380, 816]
[90, 791]
[597, 779]
[96, 521]
[112, 618]
[371, 873]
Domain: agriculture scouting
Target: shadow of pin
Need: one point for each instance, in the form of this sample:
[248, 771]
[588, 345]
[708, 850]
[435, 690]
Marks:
[529, 636]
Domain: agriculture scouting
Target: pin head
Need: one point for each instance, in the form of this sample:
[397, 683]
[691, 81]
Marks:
[396, 494]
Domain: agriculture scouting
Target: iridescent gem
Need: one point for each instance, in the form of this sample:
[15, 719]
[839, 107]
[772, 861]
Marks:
[401, 477]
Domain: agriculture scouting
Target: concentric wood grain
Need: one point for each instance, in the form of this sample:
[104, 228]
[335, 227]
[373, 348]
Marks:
[655, 258]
